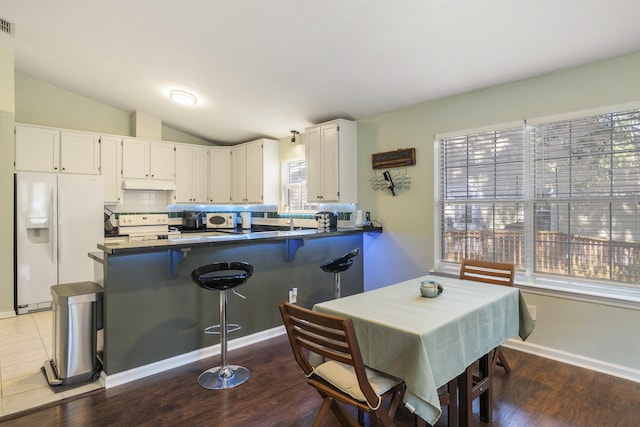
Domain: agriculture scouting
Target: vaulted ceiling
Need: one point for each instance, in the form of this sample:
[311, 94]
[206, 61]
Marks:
[261, 68]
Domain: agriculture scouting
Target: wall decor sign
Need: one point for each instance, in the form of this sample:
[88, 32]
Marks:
[393, 159]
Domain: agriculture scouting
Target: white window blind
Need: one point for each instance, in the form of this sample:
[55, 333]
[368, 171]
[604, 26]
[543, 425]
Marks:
[586, 174]
[558, 198]
[481, 196]
[294, 184]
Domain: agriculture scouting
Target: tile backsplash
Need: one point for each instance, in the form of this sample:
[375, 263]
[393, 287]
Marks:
[140, 201]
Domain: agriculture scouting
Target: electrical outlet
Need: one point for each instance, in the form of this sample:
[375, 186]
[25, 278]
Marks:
[532, 311]
[293, 295]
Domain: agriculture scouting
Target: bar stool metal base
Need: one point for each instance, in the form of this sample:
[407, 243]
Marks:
[220, 379]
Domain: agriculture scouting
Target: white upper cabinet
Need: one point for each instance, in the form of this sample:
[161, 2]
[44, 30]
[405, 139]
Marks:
[331, 153]
[37, 148]
[148, 160]
[79, 152]
[239, 174]
[111, 168]
[254, 172]
[44, 149]
[191, 174]
[219, 188]
[162, 160]
[135, 158]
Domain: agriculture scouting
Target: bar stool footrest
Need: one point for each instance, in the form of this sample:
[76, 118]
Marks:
[215, 329]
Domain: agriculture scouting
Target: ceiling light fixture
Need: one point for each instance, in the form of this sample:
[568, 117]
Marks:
[293, 136]
[184, 98]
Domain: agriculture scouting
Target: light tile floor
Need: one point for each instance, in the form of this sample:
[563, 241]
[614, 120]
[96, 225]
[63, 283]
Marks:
[25, 344]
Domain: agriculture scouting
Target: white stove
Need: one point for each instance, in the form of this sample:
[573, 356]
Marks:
[146, 227]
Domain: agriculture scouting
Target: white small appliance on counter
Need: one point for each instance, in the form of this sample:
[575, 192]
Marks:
[246, 220]
[221, 220]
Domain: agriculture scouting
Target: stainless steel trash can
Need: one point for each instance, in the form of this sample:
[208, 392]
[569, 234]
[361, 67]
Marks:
[76, 308]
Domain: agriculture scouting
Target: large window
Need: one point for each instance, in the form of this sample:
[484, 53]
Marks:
[559, 198]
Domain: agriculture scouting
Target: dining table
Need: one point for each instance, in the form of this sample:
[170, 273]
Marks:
[428, 342]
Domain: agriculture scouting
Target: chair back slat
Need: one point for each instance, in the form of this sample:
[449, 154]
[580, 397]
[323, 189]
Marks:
[497, 273]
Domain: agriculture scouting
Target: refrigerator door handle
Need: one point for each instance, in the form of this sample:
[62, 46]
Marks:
[60, 230]
[52, 235]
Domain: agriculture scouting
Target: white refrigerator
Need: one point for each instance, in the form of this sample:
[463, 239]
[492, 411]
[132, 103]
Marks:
[58, 221]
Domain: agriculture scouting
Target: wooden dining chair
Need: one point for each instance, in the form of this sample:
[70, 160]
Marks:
[342, 377]
[497, 273]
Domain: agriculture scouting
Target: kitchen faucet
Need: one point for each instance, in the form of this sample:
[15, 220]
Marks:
[290, 223]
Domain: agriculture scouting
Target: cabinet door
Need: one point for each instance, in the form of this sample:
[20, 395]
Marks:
[254, 173]
[135, 158]
[184, 175]
[219, 175]
[239, 173]
[330, 163]
[199, 176]
[37, 148]
[110, 168]
[313, 152]
[162, 160]
[79, 153]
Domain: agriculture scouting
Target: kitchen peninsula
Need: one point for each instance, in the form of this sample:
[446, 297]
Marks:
[152, 311]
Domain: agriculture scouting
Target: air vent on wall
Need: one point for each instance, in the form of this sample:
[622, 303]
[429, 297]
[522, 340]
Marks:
[7, 26]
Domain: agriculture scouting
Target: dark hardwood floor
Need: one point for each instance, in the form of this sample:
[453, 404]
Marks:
[539, 392]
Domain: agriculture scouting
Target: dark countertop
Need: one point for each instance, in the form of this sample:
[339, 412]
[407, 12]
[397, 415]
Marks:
[221, 238]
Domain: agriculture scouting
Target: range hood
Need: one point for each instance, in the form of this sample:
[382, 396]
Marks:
[147, 184]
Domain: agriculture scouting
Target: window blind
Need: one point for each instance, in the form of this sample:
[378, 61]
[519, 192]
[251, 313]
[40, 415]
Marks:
[586, 176]
[481, 196]
[559, 197]
[294, 187]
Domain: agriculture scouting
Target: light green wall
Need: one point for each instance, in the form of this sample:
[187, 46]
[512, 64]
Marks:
[405, 249]
[43, 104]
[7, 109]
[169, 134]
[7, 92]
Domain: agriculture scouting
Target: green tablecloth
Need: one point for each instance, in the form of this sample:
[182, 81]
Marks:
[429, 341]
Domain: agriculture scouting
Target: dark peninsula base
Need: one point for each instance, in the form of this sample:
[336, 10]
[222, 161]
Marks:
[153, 311]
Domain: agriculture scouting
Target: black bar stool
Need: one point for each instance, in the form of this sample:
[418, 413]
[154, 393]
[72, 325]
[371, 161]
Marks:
[221, 276]
[337, 266]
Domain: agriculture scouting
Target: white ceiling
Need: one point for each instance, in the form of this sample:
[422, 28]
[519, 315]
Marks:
[264, 67]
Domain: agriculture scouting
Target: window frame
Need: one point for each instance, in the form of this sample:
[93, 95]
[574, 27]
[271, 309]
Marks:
[598, 290]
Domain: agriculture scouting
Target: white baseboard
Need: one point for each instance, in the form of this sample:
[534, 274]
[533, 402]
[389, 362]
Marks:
[164, 365]
[575, 359]
[7, 314]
